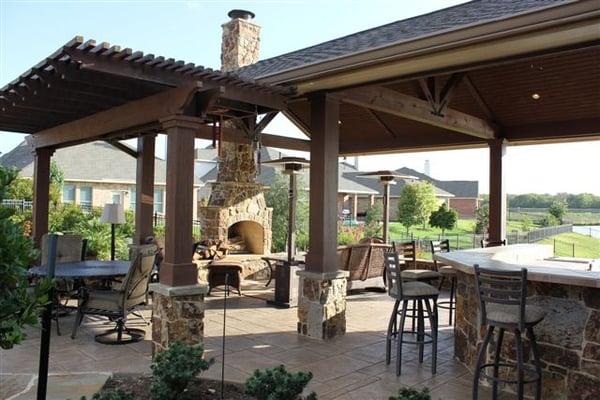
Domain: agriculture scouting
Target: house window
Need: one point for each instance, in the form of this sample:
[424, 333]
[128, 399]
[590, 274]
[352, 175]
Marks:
[132, 199]
[68, 194]
[117, 197]
[85, 196]
[158, 201]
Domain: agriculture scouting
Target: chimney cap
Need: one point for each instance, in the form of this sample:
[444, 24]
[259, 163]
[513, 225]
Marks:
[242, 14]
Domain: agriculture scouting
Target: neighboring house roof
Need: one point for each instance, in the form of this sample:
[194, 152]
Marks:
[462, 189]
[448, 19]
[89, 162]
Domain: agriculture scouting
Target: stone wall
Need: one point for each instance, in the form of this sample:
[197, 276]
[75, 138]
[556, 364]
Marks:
[568, 338]
[240, 44]
[322, 304]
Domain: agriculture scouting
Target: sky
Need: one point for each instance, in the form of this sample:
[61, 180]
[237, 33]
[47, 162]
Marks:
[190, 30]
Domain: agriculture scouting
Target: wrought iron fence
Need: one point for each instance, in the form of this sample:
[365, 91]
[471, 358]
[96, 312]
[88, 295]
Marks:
[20, 205]
[160, 220]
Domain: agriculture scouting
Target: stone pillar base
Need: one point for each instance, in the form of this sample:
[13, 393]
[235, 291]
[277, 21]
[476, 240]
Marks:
[322, 304]
[177, 315]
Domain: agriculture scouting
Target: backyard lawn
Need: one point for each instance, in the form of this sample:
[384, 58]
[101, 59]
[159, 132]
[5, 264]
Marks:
[585, 246]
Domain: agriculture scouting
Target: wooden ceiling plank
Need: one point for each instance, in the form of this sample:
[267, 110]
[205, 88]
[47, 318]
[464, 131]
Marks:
[396, 103]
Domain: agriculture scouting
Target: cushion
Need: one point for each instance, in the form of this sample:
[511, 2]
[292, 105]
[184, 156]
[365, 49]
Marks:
[108, 300]
[230, 265]
[509, 314]
[413, 289]
[447, 270]
[419, 274]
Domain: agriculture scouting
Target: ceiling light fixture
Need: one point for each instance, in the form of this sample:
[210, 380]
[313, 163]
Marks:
[535, 96]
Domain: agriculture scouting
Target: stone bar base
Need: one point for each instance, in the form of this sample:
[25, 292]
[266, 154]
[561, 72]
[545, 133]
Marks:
[322, 304]
[177, 315]
[568, 338]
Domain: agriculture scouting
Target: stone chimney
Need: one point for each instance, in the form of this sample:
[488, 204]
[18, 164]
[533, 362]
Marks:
[241, 40]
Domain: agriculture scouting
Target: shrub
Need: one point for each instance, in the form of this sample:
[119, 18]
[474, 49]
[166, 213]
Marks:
[18, 306]
[373, 219]
[112, 395]
[278, 384]
[549, 220]
[526, 224]
[482, 215]
[444, 218]
[558, 209]
[350, 234]
[412, 394]
[174, 369]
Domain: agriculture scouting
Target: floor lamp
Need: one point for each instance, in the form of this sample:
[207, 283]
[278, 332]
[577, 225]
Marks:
[113, 214]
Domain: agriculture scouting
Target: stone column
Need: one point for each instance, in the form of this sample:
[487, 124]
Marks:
[177, 315]
[322, 287]
[144, 188]
[498, 199]
[41, 193]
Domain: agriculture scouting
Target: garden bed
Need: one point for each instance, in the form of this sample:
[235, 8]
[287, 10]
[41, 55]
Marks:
[205, 389]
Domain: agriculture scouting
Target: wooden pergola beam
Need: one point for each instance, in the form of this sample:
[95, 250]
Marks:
[124, 148]
[270, 140]
[392, 102]
[132, 114]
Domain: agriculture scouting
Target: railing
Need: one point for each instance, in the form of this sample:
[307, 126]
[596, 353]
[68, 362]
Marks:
[159, 221]
[19, 205]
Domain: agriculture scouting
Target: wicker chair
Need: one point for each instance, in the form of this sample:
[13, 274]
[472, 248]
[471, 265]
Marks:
[116, 304]
[365, 263]
[69, 248]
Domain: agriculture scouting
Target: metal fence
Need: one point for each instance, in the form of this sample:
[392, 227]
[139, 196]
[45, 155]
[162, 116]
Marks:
[160, 220]
[20, 205]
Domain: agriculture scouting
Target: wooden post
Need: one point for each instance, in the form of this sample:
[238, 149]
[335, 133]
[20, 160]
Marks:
[324, 149]
[386, 211]
[41, 193]
[498, 200]
[293, 199]
[355, 207]
[177, 268]
[144, 188]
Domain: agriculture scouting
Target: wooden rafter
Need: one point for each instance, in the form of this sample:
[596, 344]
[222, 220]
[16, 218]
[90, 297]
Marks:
[439, 96]
[380, 122]
[124, 148]
[270, 140]
[478, 98]
[399, 104]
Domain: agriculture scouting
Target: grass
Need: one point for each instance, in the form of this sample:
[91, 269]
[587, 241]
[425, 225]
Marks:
[571, 217]
[585, 246]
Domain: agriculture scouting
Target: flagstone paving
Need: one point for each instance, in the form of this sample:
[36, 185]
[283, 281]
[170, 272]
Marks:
[257, 336]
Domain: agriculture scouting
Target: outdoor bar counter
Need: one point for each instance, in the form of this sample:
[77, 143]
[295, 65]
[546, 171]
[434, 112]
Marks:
[568, 338]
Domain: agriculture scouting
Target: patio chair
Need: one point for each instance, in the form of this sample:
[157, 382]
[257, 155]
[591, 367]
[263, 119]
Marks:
[116, 304]
[446, 272]
[69, 248]
[502, 299]
[404, 292]
[492, 243]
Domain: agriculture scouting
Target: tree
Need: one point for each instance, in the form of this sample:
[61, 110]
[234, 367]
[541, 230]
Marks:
[558, 209]
[482, 219]
[21, 189]
[416, 203]
[526, 223]
[549, 220]
[443, 218]
[277, 197]
[18, 306]
[373, 219]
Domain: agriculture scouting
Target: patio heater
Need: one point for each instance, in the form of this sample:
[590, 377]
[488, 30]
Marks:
[113, 214]
[386, 178]
[291, 166]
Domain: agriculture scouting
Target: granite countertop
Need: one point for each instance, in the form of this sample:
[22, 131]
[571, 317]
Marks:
[539, 260]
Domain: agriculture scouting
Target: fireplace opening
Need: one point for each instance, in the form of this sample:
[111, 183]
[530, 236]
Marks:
[246, 237]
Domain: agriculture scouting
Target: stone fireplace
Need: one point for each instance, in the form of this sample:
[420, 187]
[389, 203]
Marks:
[236, 211]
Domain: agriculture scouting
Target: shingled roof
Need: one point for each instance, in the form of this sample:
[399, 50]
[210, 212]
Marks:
[462, 189]
[441, 21]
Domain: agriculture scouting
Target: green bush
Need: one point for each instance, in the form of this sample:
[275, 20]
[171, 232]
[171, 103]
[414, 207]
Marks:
[278, 384]
[412, 394]
[18, 305]
[174, 369]
[350, 234]
[482, 216]
[444, 218]
[549, 220]
[112, 395]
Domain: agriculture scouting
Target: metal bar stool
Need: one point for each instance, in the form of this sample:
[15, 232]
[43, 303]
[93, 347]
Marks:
[408, 251]
[403, 293]
[446, 272]
[502, 298]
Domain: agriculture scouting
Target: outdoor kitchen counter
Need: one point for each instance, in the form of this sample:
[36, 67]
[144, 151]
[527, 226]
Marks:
[568, 338]
[537, 258]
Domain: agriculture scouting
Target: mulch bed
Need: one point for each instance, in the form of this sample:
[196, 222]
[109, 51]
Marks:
[205, 389]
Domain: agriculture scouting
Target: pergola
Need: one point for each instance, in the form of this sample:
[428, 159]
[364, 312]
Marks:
[531, 77]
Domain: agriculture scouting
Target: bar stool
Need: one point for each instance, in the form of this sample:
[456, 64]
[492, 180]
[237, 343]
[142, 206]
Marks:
[408, 250]
[446, 272]
[502, 298]
[403, 293]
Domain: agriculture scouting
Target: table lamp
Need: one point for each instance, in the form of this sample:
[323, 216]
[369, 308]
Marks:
[112, 214]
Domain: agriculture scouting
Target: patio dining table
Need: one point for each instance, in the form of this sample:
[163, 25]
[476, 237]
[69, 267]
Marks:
[90, 269]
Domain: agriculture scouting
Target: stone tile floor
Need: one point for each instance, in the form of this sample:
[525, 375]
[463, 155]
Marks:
[257, 336]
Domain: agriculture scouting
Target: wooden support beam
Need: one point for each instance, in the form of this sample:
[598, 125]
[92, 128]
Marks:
[483, 106]
[498, 198]
[177, 268]
[144, 188]
[266, 120]
[132, 114]
[401, 105]
[269, 140]
[324, 149]
[41, 193]
[124, 148]
[380, 122]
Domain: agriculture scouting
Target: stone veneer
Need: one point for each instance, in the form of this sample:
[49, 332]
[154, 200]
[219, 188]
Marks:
[322, 304]
[177, 315]
[240, 44]
[568, 338]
